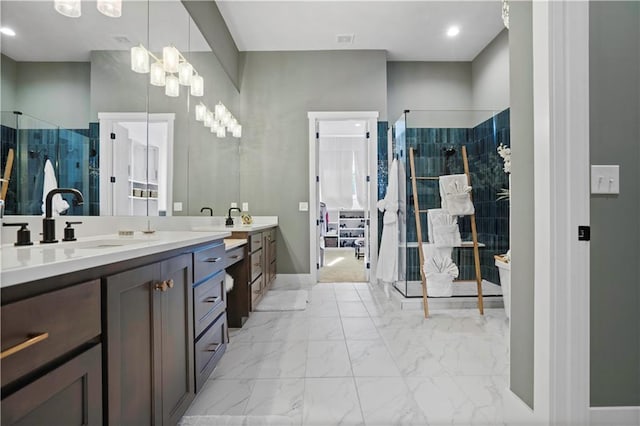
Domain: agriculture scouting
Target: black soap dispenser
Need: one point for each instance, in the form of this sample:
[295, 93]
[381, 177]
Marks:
[69, 232]
[24, 235]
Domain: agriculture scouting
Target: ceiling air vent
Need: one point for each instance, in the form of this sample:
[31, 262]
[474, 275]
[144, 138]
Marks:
[344, 38]
[121, 39]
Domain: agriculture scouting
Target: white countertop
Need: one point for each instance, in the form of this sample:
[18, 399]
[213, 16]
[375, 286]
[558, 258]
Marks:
[29, 263]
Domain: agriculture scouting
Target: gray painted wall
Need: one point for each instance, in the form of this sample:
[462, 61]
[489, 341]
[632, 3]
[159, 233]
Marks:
[427, 85]
[206, 15]
[614, 91]
[206, 169]
[490, 75]
[56, 92]
[278, 89]
[522, 205]
[8, 76]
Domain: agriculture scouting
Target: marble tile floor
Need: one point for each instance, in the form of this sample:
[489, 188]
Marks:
[354, 358]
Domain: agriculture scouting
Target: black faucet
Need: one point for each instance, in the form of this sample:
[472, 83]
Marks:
[229, 221]
[207, 208]
[49, 223]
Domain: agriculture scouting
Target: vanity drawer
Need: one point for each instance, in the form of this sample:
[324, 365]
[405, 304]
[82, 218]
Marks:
[256, 242]
[256, 264]
[235, 255]
[39, 329]
[208, 302]
[256, 292]
[209, 350]
[208, 261]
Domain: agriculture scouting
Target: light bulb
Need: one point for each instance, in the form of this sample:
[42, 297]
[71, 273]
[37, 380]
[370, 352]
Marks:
[157, 76]
[110, 8]
[170, 59]
[197, 85]
[172, 87]
[185, 72]
[201, 111]
[139, 59]
[70, 8]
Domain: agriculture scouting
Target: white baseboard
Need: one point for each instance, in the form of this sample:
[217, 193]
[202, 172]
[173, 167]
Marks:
[619, 416]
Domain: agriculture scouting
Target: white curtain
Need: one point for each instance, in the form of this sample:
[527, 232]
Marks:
[343, 170]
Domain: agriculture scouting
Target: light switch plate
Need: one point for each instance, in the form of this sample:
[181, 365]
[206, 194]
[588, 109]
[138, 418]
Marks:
[605, 179]
[303, 206]
[177, 206]
[234, 205]
[245, 207]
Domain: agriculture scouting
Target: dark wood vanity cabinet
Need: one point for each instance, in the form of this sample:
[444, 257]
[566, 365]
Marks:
[148, 333]
[269, 245]
[51, 358]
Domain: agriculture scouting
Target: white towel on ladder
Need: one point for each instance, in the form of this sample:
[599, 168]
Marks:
[59, 205]
[443, 228]
[455, 194]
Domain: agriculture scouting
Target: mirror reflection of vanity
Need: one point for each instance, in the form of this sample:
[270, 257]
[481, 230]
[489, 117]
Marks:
[128, 146]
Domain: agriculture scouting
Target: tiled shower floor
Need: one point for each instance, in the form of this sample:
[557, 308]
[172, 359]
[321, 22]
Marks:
[354, 358]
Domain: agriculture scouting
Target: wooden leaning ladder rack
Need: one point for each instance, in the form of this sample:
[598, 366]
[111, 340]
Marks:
[474, 231]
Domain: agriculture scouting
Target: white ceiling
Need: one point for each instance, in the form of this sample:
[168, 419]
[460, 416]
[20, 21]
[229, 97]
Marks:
[407, 30]
[42, 34]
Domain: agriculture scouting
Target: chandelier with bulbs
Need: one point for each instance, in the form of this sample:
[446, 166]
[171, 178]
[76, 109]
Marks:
[162, 72]
[220, 120]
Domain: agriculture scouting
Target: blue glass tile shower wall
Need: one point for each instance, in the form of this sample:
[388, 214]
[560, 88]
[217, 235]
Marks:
[487, 178]
[73, 154]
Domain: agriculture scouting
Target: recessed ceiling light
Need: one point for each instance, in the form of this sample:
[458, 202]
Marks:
[453, 31]
[358, 124]
[7, 31]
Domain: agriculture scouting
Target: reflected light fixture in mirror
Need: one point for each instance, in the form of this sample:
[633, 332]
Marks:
[197, 85]
[157, 76]
[172, 87]
[185, 73]
[139, 60]
[70, 8]
[201, 111]
[110, 8]
[170, 59]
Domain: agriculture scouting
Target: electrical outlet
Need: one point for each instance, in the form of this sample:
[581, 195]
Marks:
[234, 205]
[605, 179]
[245, 207]
[177, 206]
[303, 206]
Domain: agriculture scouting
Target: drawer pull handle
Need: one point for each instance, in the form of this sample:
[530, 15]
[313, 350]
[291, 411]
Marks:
[164, 285]
[212, 299]
[214, 347]
[213, 259]
[256, 264]
[24, 345]
[235, 256]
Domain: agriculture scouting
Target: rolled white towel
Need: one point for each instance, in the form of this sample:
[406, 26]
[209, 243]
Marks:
[455, 194]
[228, 282]
[443, 228]
[441, 265]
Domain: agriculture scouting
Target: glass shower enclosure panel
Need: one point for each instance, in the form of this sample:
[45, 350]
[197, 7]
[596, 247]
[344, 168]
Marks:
[437, 137]
[36, 142]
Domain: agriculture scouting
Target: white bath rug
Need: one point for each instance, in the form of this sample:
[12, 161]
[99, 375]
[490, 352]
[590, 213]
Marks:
[235, 421]
[283, 300]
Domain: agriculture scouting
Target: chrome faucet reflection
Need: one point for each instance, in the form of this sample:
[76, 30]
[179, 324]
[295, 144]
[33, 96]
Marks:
[49, 223]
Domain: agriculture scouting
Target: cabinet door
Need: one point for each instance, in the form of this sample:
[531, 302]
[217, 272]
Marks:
[175, 331]
[131, 315]
[68, 395]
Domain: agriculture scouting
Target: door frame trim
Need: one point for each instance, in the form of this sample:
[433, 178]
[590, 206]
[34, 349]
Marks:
[372, 118]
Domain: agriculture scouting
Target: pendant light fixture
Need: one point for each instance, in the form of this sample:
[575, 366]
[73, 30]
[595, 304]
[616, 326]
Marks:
[208, 119]
[222, 132]
[237, 132]
[197, 85]
[70, 8]
[172, 86]
[201, 111]
[157, 77]
[110, 8]
[139, 59]
[170, 59]
[185, 73]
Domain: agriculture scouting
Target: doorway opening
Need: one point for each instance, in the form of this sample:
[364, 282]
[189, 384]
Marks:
[343, 156]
